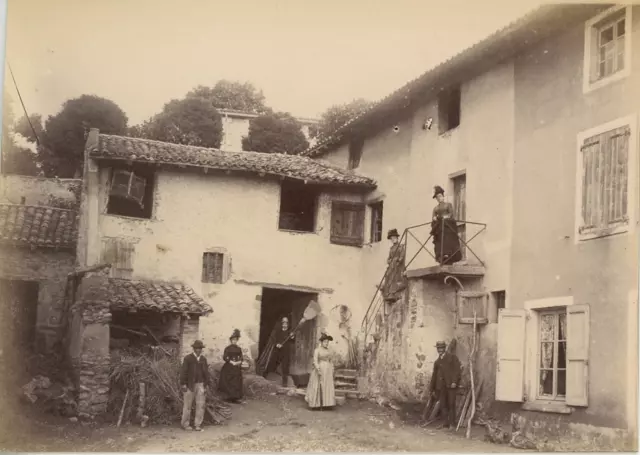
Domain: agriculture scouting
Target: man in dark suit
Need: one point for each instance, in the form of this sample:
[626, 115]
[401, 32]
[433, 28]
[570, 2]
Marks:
[445, 381]
[194, 377]
[282, 352]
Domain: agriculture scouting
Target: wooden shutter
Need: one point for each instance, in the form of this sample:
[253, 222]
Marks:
[577, 355]
[347, 223]
[466, 301]
[511, 346]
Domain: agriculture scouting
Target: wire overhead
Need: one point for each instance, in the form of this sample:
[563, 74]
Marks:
[26, 114]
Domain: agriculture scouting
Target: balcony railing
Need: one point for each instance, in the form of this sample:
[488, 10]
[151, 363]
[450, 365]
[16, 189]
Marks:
[446, 252]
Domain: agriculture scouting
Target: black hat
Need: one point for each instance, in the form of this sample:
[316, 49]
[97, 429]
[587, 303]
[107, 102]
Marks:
[235, 334]
[441, 344]
[437, 190]
[197, 344]
[393, 233]
[324, 336]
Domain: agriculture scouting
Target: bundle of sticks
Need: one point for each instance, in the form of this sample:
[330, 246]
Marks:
[463, 408]
[152, 383]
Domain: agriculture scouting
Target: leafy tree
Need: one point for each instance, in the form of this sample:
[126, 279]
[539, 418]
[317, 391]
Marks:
[62, 140]
[336, 116]
[189, 121]
[275, 133]
[233, 95]
[15, 159]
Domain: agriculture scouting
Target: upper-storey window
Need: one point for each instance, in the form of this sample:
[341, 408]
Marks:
[131, 193]
[607, 47]
[355, 153]
[449, 110]
[298, 207]
[605, 178]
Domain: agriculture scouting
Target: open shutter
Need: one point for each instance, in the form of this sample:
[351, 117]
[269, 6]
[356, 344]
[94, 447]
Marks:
[577, 355]
[347, 223]
[510, 368]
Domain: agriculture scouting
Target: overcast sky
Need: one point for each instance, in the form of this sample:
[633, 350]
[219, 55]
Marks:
[305, 55]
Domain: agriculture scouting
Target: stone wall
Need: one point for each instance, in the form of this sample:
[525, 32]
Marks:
[49, 268]
[91, 317]
[62, 193]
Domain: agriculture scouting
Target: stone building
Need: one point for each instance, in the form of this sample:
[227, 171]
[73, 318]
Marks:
[533, 133]
[38, 233]
[249, 234]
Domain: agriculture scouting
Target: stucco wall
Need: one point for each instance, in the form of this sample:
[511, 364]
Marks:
[37, 190]
[50, 269]
[196, 212]
[550, 112]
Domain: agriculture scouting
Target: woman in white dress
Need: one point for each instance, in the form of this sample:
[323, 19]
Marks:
[321, 389]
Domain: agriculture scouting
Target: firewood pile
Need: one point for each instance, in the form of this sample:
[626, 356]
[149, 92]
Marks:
[145, 389]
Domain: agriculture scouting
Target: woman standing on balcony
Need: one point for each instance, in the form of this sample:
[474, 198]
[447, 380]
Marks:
[321, 389]
[444, 230]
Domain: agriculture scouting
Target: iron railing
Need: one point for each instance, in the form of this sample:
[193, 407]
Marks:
[377, 302]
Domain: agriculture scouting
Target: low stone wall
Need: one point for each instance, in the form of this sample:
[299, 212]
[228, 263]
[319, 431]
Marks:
[93, 392]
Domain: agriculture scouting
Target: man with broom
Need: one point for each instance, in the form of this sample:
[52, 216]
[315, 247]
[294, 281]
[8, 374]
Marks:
[194, 378]
[444, 383]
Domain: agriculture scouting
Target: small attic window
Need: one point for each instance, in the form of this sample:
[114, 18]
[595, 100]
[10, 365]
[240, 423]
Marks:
[131, 193]
[449, 110]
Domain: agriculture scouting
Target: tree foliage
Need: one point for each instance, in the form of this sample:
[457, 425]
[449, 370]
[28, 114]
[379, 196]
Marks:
[63, 137]
[336, 116]
[15, 159]
[188, 121]
[233, 95]
[275, 133]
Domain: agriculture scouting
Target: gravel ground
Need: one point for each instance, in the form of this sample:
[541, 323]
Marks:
[269, 424]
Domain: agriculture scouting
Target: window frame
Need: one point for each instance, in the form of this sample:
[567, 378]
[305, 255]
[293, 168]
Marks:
[632, 154]
[205, 264]
[554, 397]
[355, 150]
[445, 99]
[592, 31]
[149, 175]
[360, 209]
[534, 309]
[376, 209]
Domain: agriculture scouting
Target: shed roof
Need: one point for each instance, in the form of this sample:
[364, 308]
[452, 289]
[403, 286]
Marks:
[38, 226]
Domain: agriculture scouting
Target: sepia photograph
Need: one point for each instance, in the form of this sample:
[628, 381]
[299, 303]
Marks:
[319, 226]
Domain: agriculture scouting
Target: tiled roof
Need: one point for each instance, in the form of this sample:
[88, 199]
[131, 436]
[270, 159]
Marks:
[475, 59]
[37, 226]
[157, 296]
[275, 164]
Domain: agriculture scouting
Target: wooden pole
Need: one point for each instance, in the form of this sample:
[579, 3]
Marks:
[124, 402]
[141, 401]
[471, 356]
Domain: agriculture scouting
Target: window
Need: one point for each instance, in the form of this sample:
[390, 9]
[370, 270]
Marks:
[604, 198]
[498, 302]
[607, 47]
[297, 207]
[355, 153]
[347, 223]
[467, 300]
[460, 209]
[552, 352]
[131, 193]
[376, 221]
[449, 110]
[554, 333]
[119, 254]
[212, 267]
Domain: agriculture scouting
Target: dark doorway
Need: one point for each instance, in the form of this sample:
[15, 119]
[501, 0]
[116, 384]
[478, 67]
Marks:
[19, 313]
[277, 303]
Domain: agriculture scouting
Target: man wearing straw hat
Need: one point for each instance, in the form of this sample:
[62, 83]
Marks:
[194, 377]
[444, 383]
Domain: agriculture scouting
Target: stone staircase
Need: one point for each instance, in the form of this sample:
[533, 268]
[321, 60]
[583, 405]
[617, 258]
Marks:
[346, 382]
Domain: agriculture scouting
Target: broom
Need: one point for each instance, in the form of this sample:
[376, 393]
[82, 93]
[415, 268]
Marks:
[310, 312]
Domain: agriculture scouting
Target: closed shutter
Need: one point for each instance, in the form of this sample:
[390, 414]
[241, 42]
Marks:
[578, 355]
[347, 223]
[510, 368]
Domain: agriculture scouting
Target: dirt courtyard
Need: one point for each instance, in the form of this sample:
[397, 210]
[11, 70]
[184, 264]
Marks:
[273, 423]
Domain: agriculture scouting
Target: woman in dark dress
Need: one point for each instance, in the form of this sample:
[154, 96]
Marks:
[444, 229]
[230, 383]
